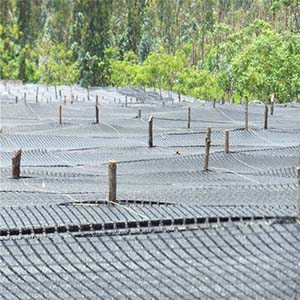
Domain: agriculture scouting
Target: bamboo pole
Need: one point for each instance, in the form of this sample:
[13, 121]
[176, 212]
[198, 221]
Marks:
[97, 114]
[112, 177]
[150, 132]
[266, 117]
[37, 95]
[60, 115]
[246, 113]
[207, 147]
[227, 141]
[272, 105]
[16, 164]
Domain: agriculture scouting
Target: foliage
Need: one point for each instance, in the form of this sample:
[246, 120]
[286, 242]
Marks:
[57, 66]
[201, 48]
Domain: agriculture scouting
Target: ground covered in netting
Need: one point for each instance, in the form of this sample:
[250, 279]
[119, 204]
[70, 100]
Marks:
[177, 231]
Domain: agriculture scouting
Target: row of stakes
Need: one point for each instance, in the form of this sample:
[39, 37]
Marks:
[73, 97]
[266, 113]
[112, 170]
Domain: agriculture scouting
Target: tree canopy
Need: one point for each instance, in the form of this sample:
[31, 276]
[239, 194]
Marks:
[203, 48]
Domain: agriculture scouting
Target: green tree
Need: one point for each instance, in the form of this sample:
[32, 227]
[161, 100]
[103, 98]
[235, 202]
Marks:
[57, 66]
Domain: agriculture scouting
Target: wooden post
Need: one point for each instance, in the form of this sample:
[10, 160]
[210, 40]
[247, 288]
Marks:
[88, 94]
[214, 102]
[60, 115]
[25, 98]
[223, 100]
[139, 113]
[112, 177]
[272, 105]
[37, 95]
[226, 140]
[125, 101]
[59, 95]
[97, 114]
[298, 192]
[65, 99]
[246, 113]
[55, 92]
[266, 117]
[16, 99]
[150, 132]
[97, 100]
[16, 163]
[207, 146]
[179, 97]
[189, 118]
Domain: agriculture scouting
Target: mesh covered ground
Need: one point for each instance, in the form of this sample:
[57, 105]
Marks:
[177, 232]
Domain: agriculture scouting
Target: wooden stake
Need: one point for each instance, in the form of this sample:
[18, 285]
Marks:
[272, 105]
[214, 102]
[55, 92]
[112, 177]
[150, 132]
[97, 100]
[65, 99]
[25, 101]
[189, 118]
[88, 94]
[125, 101]
[59, 94]
[60, 115]
[298, 192]
[226, 140]
[223, 100]
[16, 164]
[266, 117]
[207, 146]
[97, 114]
[179, 97]
[16, 99]
[246, 113]
[37, 95]
[139, 113]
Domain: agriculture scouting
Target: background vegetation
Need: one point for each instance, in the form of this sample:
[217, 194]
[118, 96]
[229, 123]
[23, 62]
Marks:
[203, 48]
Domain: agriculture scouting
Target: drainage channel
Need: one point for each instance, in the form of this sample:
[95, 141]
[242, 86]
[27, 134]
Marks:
[128, 202]
[128, 226]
